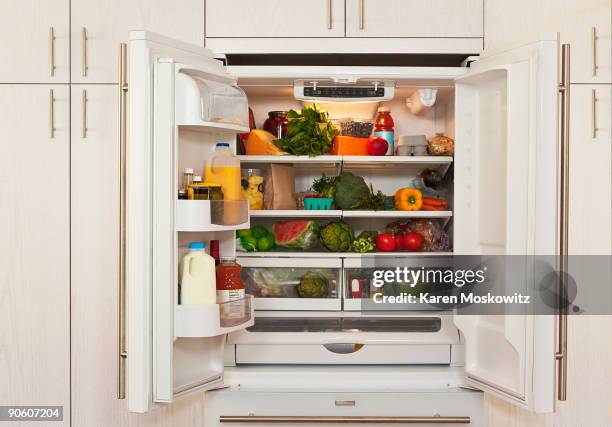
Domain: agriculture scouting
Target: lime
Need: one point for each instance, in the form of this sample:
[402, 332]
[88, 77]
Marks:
[259, 231]
[265, 243]
[249, 243]
[243, 233]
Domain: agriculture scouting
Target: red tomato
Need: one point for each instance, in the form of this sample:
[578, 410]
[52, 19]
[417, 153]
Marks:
[377, 146]
[399, 242]
[385, 242]
[413, 241]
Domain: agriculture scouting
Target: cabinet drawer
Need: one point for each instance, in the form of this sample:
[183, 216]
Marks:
[456, 406]
[414, 18]
[274, 18]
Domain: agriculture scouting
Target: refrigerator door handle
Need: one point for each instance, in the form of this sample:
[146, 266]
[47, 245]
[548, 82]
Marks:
[122, 355]
[561, 354]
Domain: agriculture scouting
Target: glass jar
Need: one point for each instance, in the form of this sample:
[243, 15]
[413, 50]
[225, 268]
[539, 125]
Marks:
[252, 187]
[276, 123]
[205, 191]
[230, 287]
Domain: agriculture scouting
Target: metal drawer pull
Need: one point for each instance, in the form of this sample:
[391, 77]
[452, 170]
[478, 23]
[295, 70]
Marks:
[344, 403]
[84, 53]
[342, 420]
[564, 90]
[84, 124]
[122, 344]
[594, 50]
[594, 113]
[51, 51]
[361, 14]
[51, 114]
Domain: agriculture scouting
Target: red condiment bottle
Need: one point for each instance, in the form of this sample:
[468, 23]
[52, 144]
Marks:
[230, 286]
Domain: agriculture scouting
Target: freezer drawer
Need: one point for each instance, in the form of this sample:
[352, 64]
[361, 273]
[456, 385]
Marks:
[344, 353]
[305, 284]
[450, 407]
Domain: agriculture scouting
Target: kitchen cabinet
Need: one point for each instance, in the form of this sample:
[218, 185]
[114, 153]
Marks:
[35, 252]
[584, 24]
[274, 18]
[35, 41]
[97, 28]
[414, 18]
[590, 170]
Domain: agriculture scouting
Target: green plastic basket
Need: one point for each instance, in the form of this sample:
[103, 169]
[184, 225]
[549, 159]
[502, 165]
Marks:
[318, 203]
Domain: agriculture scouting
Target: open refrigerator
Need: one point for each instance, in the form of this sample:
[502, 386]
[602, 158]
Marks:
[503, 199]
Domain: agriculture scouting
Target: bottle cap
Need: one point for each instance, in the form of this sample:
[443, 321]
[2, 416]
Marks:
[196, 245]
[383, 109]
[222, 144]
[197, 178]
[189, 170]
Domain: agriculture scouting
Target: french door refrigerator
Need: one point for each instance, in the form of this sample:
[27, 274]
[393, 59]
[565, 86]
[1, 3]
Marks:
[503, 111]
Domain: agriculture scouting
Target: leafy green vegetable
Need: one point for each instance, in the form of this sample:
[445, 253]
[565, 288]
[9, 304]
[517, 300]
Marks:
[326, 185]
[337, 236]
[312, 285]
[309, 133]
[352, 193]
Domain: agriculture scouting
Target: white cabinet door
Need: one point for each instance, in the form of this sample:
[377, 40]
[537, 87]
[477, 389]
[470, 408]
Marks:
[590, 170]
[274, 18]
[414, 18]
[97, 28]
[34, 249]
[35, 41]
[506, 179]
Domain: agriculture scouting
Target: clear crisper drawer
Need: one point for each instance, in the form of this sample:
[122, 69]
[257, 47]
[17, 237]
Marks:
[204, 97]
[293, 284]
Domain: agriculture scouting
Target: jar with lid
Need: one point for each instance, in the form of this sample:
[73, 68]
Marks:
[205, 191]
[230, 288]
[276, 123]
[252, 187]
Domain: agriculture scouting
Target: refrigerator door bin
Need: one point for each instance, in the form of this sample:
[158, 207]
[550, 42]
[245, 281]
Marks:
[214, 319]
[211, 215]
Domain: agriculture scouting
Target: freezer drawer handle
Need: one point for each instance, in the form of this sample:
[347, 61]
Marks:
[342, 420]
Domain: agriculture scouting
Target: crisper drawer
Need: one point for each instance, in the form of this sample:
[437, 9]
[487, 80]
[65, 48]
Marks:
[305, 284]
[364, 284]
[450, 407]
[344, 353]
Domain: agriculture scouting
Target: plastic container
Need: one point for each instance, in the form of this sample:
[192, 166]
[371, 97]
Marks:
[385, 128]
[252, 181]
[358, 128]
[223, 168]
[318, 203]
[205, 191]
[197, 276]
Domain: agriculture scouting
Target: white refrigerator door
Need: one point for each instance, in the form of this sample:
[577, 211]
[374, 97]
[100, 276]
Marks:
[505, 204]
[162, 363]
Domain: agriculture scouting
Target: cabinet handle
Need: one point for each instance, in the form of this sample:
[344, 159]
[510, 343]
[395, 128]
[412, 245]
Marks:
[84, 52]
[51, 114]
[330, 24]
[564, 90]
[84, 123]
[342, 420]
[594, 51]
[51, 51]
[123, 87]
[361, 14]
[593, 113]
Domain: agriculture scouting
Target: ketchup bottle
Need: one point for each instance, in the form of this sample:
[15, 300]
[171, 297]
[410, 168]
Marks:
[230, 287]
[385, 128]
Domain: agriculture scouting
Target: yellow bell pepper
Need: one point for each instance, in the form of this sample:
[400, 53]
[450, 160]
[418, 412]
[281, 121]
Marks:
[408, 199]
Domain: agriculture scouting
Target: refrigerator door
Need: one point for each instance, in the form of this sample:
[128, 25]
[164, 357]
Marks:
[505, 193]
[173, 349]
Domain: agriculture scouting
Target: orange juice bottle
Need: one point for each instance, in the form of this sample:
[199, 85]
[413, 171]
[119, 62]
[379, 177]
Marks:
[223, 168]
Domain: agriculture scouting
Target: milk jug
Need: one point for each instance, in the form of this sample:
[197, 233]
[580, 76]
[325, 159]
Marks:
[197, 276]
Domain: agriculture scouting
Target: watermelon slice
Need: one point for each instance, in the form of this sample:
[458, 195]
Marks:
[302, 235]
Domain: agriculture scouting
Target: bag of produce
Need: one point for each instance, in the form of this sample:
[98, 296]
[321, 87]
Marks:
[279, 191]
[302, 235]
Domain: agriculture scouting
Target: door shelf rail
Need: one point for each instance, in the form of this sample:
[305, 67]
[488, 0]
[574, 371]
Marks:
[210, 320]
